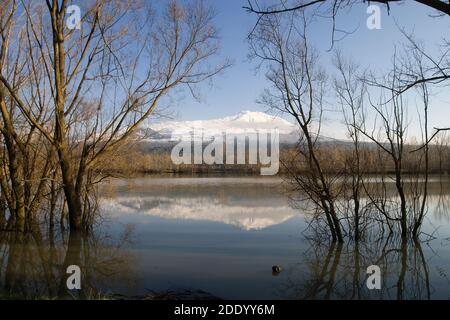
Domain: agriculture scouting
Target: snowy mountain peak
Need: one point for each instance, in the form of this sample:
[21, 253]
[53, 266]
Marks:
[252, 117]
[242, 123]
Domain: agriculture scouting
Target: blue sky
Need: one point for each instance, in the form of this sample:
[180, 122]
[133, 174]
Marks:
[239, 87]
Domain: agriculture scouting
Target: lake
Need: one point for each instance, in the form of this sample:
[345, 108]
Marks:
[219, 237]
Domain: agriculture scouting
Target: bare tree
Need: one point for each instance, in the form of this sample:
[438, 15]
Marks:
[351, 93]
[417, 72]
[297, 89]
[390, 137]
[108, 78]
[27, 158]
[422, 71]
[329, 10]
[283, 6]
[17, 201]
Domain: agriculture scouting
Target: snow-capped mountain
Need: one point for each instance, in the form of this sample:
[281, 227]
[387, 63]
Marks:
[247, 218]
[244, 216]
[243, 123]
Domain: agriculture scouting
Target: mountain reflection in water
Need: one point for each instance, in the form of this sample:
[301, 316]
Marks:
[221, 237]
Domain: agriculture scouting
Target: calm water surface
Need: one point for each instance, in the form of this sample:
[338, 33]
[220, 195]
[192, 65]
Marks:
[223, 235]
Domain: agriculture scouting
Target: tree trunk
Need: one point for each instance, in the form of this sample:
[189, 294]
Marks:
[326, 196]
[14, 164]
[356, 199]
[73, 257]
[73, 200]
[403, 213]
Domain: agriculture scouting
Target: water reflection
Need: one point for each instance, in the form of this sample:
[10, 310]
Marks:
[336, 271]
[220, 237]
[243, 229]
[33, 266]
[248, 203]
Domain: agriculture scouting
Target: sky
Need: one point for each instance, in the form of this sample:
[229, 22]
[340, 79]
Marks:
[239, 87]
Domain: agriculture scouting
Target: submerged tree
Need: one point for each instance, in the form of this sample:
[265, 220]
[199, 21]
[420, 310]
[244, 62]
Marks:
[377, 130]
[297, 88]
[332, 271]
[414, 74]
[100, 83]
[351, 97]
[27, 159]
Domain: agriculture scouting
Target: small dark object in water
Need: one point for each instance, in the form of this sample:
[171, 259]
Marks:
[276, 270]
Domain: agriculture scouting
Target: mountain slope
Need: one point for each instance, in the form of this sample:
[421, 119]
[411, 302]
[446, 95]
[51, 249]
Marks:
[243, 123]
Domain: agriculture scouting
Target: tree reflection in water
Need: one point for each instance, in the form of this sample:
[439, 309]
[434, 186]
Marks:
[336, 271]
[34, 265]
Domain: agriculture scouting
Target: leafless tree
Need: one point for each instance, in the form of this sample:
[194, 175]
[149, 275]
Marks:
[285, 6]
[106, 79]
[329, 9]
[422, 71]
[27, 159]
[416, 72]
[297, 89]
[351, 92]
[389, 134]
